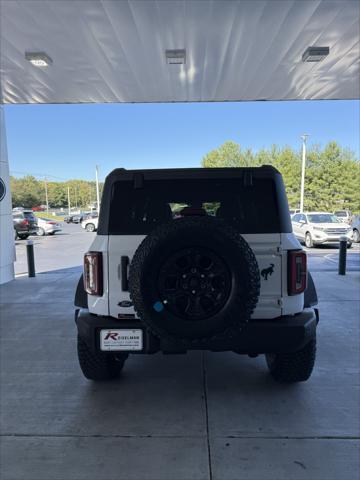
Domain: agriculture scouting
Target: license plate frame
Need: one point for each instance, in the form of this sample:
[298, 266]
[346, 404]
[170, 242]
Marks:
[121, 340]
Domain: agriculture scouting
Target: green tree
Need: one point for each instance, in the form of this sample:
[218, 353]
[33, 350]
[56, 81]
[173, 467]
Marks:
[229, 154]
[27, 191]
[332, 173]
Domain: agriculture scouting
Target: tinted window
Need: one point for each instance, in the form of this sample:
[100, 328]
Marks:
[250, 209]
[323, 218]
[296, 217]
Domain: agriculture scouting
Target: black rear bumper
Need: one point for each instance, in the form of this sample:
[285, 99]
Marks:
[283, 334]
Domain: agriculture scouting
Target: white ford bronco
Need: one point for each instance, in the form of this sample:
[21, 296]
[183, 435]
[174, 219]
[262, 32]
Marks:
[196, 259]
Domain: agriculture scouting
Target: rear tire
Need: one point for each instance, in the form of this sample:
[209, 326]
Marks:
[97, 365]
[292, 367]
[349, 245]
[356, 235]
[308, 240]
[90, 227]
[40, 232]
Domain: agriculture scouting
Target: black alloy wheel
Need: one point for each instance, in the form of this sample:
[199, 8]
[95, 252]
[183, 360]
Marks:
[194, 283]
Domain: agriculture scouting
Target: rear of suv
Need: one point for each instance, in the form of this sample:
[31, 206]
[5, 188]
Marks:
[196, 259]
[25, 224]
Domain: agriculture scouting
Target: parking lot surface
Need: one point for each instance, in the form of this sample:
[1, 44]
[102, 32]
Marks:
[200, 416]
[66, 249]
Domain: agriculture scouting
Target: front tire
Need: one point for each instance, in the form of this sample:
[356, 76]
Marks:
[308, 240]
[90, 227]
[292, 367]
[97, 365]
[40, 232]
[356, 236]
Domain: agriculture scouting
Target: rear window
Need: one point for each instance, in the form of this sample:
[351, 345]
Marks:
[323, 218]
[250, 209]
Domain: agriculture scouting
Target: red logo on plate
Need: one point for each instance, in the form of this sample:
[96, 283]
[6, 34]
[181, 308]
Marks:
[112, 335]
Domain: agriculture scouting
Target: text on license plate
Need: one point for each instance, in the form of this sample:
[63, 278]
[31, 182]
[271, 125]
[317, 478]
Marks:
[120, 339]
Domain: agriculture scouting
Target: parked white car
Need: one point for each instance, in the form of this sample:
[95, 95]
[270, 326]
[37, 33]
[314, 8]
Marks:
[47, 227]
[90, 224]
[316, 228]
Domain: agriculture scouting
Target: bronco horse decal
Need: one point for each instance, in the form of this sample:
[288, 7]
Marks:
[267, 271]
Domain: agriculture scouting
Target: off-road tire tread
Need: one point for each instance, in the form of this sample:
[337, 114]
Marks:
[152, 240]
[98, 366]
[295, 366]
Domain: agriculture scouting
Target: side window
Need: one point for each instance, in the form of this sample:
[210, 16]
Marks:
[296, 218]
[303, 218]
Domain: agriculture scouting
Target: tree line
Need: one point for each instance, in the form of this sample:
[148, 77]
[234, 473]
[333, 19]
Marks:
[331, 183]
[30, 192]
[332, 176]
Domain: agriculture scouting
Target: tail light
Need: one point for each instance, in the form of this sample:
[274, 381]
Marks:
[93, 273]
[297, 272]
[51, 223]
[25, 222]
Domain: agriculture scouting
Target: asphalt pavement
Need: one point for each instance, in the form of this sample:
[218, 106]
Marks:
[66, 249]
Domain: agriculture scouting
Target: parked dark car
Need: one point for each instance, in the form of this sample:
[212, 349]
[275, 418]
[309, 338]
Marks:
[73, 218]
[25, 224]
[89, 215]
[77, 218]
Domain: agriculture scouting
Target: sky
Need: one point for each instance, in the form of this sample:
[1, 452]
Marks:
[67, 141]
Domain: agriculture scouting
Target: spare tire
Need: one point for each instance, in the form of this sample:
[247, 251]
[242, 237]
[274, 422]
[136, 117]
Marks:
[193, 279]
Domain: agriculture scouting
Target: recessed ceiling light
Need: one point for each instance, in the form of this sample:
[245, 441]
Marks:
[175, 57]
[315, 54]
[38, 59]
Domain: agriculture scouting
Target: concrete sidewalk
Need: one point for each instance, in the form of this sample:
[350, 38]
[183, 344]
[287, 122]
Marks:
[188, 417]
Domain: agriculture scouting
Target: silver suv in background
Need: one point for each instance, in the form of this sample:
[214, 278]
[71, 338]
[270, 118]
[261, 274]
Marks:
[317, 228]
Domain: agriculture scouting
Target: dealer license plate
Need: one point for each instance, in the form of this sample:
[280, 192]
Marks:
[120, 339]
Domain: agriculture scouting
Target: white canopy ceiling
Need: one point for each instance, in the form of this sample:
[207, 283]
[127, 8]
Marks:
[114, 51]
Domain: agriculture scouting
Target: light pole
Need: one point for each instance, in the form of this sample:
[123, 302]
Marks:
[97, 188]
[69, 206]
[46, 197]
[304, 138]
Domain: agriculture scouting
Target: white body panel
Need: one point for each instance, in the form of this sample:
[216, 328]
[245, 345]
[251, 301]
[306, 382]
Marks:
[270, 251]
